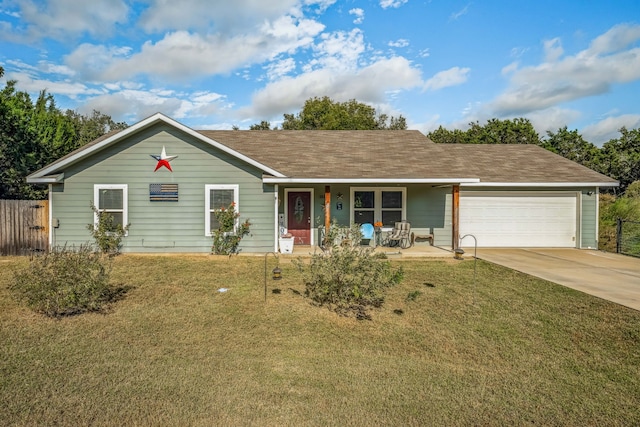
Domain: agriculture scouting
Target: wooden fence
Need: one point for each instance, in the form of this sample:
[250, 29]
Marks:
[24, 227]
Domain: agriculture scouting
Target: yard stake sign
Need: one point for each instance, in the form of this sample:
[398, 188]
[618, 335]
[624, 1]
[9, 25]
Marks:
[163, 192]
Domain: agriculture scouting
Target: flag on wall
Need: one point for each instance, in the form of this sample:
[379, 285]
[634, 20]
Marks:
[163, 192]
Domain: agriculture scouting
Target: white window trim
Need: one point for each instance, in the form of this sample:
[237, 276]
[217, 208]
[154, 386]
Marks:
[377, 212]
[125, 201]
[207, 202]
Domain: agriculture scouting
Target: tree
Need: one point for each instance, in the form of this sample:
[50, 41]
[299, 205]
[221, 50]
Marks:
[495, 131]
[621, 157]
[33, 134]
[263, 125]
[324, 113]
[19, 151]
[571, 145]
[446, 136]
[89, 128]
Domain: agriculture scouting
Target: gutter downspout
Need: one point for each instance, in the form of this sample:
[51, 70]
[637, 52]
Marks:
[276, 228]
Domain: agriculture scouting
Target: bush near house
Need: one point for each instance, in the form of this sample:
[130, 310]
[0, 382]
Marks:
[612, 208]
[107, 234]
[348, 278]
[65, 282]
[227, 237]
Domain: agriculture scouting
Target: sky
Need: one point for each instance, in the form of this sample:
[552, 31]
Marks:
[213, 64]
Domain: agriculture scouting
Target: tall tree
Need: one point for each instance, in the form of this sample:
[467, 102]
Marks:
[495, 131]
[91, 127]
[263, 125]
[324, 113]
[33, 134]
[621, 157]
[446, 136]
[571, 145]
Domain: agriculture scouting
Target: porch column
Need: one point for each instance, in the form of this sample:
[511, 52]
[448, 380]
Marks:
[455, 227]
[327, 209]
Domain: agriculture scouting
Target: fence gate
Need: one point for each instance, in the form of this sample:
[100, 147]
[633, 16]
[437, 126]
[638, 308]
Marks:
[24, 227]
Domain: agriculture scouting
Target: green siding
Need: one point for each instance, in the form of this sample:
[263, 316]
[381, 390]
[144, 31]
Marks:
[589, 233]
[429, 211]
[164, 226]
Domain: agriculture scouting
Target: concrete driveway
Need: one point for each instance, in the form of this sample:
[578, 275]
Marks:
[609, 276]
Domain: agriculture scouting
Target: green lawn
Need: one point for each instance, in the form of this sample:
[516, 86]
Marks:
[509, 350]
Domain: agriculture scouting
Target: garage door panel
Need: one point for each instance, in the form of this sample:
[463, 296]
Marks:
[519, 221]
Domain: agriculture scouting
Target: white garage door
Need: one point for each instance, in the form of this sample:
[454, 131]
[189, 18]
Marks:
[517, 220]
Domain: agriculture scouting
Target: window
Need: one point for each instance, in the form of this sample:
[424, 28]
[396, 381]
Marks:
[112, 199]
[364, 207]
[370, 205]
[217, 197]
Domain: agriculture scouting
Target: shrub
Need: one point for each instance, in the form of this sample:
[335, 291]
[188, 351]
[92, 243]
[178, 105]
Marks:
[227, 237]
[64, 282]
[611, 209]
[349, 279]
[107, 234]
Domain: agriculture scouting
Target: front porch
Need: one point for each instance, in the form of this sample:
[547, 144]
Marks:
[415, 251]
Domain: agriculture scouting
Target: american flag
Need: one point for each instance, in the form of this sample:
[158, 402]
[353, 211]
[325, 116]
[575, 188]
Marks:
[163, 192]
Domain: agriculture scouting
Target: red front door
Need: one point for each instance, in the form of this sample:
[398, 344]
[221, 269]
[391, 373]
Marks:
[299, 216]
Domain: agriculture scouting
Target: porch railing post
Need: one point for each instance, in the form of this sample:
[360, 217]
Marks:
[327, 209]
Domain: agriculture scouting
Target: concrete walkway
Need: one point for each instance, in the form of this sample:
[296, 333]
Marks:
[609, 276]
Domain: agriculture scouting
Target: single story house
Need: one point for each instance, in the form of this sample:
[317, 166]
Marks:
[166, 180]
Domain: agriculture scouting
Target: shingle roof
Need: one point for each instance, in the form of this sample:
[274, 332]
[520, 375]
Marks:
[400, 155]
[386, 156]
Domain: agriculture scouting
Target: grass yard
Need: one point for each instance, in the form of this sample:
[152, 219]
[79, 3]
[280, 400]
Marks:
[511, 350]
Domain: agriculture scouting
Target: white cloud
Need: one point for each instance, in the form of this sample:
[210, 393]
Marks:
[67, 88]
[424, 53]
[385, 4]
[510, 68]
[399, 43]
[607, 129]
[42, 67]
[369, 84]
[608, 60]
[182, 55]
[452, 77]
[454, 16]
[236, 17]
[551, 119]
[552, 49]
[134, 105]
[10, 13]
[59, 19]
[340, 50]
[358, 14]
[616, 39]
[281, 68]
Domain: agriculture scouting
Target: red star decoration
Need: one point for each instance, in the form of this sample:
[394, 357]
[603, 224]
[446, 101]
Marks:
[163, 160]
